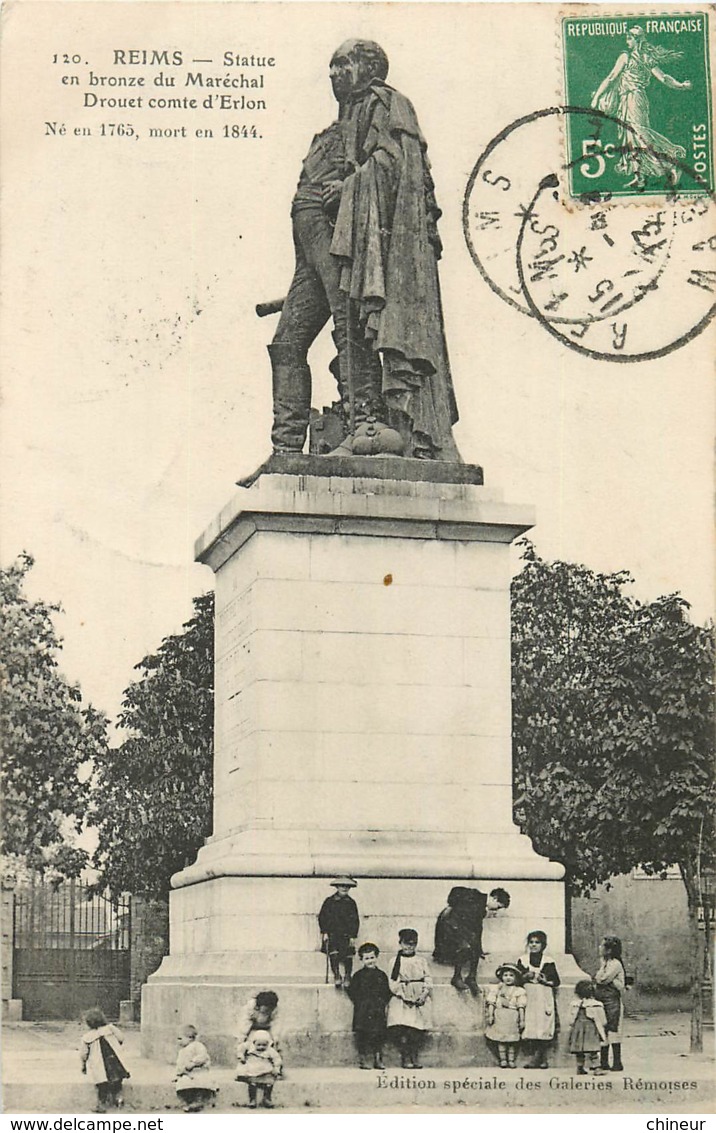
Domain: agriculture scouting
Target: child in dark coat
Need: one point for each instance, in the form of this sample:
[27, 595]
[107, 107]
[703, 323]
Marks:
[338, 921]
[370, 993]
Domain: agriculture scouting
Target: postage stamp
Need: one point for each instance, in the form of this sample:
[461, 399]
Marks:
[608, 280]
[648, 78]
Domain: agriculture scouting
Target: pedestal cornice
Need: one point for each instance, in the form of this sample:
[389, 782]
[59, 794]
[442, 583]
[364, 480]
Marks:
[328, 505]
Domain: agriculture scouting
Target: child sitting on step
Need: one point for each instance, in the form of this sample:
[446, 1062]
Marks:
[259, 1066]
[194, 1083]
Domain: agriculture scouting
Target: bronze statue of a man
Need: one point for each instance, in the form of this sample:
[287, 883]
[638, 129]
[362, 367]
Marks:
[365, 232]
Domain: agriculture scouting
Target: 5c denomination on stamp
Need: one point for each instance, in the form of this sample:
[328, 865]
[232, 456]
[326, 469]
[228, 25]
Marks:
[649, 75]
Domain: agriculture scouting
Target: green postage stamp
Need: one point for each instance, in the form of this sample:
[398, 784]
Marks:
[646, 81]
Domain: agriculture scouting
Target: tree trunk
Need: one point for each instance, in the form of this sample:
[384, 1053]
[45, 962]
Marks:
[567, 912]
[697, 941]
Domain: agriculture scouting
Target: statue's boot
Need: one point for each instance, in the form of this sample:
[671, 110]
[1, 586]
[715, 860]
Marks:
[371, 435]
[291, 397]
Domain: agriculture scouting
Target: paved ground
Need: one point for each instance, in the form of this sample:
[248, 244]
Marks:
[41, 1075]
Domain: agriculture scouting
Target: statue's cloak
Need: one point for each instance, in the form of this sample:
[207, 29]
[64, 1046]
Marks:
[386, 238]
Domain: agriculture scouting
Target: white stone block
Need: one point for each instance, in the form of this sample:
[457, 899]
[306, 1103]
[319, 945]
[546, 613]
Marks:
[236, 806]
[280, 914]
[360, 558]
[334, 607]
[235, 622]
[484, 566]
[394, 804]
[277, 656]
[487, 663]
[326, 756]
[281, 554]
[245, 932]
[382, 659]
[288, 706]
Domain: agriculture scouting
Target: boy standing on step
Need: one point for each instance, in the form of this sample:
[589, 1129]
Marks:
[370, 992]
[339, 922]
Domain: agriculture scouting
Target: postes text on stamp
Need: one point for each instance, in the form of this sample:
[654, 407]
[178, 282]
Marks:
[649, 77]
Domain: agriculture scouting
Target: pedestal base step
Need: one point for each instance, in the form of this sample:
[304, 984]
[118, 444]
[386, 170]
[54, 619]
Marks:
[315, 1023]
[306, 1049]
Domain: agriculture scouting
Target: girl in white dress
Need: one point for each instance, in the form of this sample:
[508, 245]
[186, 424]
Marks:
[410, 1008]
[505, 1013]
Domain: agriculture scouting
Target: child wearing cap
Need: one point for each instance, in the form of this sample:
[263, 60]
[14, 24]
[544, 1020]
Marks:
[409, 1010]
[505, 1013]
[339, 922]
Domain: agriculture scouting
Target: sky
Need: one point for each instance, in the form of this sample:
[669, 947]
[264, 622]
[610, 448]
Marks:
[136, 384]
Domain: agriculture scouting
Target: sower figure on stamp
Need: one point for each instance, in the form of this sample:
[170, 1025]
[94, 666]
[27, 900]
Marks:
[458, 931]
[624, 95]
[364, 228]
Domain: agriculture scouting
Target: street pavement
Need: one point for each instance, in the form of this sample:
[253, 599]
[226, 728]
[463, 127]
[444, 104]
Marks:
[41, 1075]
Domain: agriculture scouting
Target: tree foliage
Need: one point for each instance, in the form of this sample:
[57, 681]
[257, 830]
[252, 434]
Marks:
[613, 708]
[49, 737]
[612, 724]
[152, 795]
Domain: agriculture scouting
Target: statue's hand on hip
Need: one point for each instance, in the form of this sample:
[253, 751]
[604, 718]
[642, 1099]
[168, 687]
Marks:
[331, 195]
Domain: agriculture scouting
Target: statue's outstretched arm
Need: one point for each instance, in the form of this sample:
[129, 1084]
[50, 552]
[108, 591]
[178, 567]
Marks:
[669, 81]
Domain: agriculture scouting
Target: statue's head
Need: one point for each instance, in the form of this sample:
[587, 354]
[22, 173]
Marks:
[354, 66]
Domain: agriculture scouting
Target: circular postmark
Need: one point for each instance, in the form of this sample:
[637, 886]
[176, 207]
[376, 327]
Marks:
[616, 280]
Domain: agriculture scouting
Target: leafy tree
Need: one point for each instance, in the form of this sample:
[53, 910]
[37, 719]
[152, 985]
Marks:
[613, 733]
[48, 736]
[152, 795]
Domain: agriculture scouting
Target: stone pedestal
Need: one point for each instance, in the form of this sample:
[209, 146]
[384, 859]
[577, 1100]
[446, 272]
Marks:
[362, 727]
